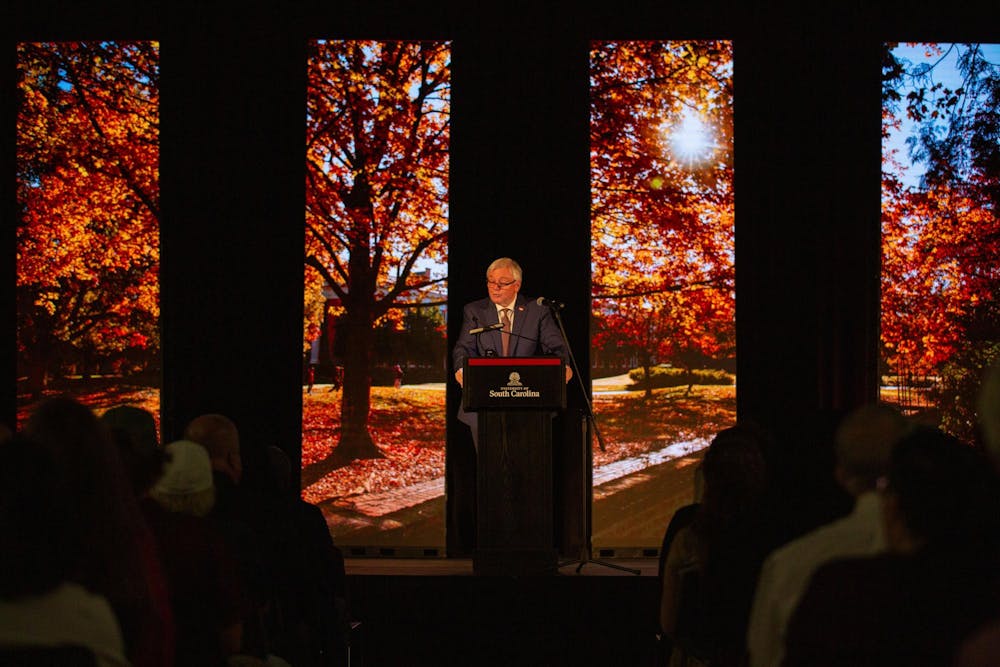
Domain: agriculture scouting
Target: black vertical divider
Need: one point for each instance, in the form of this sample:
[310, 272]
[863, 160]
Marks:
[232, 175]
[520, 188]
[807, 214]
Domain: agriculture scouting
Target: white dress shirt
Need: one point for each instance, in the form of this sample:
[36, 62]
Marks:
[787, 571]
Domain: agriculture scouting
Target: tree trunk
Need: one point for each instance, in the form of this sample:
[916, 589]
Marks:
[355, 440]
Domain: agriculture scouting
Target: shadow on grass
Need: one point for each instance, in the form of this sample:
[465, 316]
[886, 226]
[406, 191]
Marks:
[99, 394]
[402, 422]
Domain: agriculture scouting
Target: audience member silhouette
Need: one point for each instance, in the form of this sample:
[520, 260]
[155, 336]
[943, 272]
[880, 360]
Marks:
[120, 561]
[914, 604]
[712, 564]
[205, 591]
[803, 492]
[41, 607]
[308, 620]
[982, 649]
[863, 442]
[133, 430]
[238, 516]
[681, 518]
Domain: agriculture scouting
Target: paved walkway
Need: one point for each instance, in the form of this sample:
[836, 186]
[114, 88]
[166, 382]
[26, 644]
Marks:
[387, 502]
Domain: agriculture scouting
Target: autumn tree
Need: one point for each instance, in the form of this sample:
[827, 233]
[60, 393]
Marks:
[941, 232]
[88, 198]
[661, 198]
[377, 141]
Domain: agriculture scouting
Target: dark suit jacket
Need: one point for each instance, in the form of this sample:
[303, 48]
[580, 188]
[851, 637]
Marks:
[535, 332]
[891, 610]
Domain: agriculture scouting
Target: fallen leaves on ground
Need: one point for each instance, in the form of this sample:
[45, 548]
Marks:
[407, 425]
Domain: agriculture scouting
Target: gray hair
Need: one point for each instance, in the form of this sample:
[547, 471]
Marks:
[505, 263]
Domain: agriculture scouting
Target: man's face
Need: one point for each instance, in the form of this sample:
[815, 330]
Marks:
[502, 286]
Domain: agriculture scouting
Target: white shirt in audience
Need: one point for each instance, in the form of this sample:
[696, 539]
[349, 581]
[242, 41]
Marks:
[69, 614]
[786, 573]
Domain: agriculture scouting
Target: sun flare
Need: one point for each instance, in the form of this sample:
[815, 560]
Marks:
[691, 139]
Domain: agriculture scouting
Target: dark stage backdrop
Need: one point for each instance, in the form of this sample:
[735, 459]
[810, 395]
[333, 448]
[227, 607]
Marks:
[232, 105]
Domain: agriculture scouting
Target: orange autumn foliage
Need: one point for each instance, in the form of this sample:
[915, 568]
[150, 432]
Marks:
[377, 140]
[88, 196]
[662, 209]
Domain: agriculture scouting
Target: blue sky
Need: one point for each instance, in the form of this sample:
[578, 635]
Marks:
[946, 73]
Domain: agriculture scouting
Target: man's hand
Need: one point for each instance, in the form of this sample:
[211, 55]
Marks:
[458, 377]
[569, 374]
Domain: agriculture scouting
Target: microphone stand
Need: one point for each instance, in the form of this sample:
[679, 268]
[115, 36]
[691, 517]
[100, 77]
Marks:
[586, 548]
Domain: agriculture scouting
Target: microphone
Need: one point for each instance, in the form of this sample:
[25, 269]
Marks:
[549, 303]
[489, 327]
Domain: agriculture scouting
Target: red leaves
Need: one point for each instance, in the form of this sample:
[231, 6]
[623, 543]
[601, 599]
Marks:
[408, 425]
[662, 234]
[378, 131]
[88, 185]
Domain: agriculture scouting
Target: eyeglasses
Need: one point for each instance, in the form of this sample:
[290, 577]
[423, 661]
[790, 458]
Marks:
[500, 285]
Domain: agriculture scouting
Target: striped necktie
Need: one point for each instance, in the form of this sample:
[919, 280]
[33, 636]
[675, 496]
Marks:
[505, 332]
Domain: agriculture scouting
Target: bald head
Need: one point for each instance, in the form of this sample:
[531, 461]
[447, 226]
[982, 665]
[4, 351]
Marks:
[863, 444]
[219, 436]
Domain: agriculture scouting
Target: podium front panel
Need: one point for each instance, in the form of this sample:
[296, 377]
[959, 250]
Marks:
[514, 383]
[515, 523]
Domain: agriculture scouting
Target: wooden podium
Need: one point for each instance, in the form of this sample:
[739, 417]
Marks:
[515, 398]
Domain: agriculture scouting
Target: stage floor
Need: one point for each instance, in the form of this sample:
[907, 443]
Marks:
[437, 612]
[462, 567]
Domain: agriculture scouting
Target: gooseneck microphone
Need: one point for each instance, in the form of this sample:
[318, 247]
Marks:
[549, 303]
[488, 327]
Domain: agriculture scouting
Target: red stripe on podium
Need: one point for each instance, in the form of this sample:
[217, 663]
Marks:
[514, 361]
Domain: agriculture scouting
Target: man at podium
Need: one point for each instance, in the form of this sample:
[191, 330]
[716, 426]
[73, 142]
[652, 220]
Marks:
[505, 324]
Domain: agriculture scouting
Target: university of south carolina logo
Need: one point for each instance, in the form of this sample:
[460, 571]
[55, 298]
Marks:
[514, 389]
